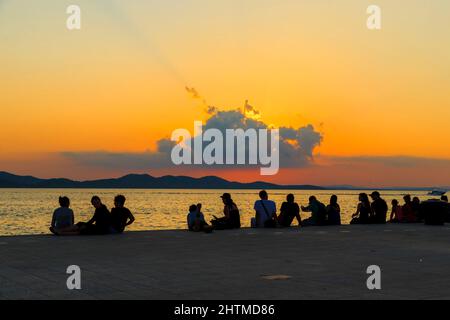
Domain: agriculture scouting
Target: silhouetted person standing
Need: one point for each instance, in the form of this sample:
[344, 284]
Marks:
[379, 208]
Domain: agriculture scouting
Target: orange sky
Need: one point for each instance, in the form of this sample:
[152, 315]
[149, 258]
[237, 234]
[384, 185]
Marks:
[117, 84]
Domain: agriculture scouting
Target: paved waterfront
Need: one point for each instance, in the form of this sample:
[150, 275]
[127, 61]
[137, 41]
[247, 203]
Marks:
[312, 263]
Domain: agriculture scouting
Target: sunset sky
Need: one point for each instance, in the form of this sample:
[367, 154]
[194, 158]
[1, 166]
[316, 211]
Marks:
[112, 90]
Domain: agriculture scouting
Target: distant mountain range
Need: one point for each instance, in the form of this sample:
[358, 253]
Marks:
[145, 181]
[142, 181]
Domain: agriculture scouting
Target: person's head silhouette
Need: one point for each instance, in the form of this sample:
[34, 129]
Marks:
[96, 202]
[333, 199]
[64, 202]
[375, 195]
[119, 201]
[407, 198]
[263, 195]
[290, 198]
[226, 198]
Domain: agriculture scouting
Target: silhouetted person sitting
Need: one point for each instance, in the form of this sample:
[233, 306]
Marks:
[196, 220]
[100, 223]
[379, 208]
[396, 213]
[318, 213]
[265, 212]
[120, 216]
[63, 218]
[444, 198]
[408, 210]
[416, 208]
[363, 212]
[289, 210]
[231, 218]
[334, 212]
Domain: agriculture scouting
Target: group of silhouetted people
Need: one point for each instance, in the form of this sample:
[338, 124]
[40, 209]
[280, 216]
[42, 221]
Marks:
[412, 210]
[367, 212]
[266, 214]
[370, 212]
[103, 221]
[115, 221]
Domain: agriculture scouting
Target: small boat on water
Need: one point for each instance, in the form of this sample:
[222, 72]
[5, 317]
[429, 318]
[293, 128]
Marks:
[437, 192]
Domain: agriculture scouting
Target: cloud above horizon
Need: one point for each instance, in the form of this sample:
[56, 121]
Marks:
[296, 145]
[297, 150]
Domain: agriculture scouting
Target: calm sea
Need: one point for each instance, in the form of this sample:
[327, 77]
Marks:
[29, 211]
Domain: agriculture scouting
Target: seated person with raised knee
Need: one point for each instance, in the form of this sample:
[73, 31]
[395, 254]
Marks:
[100, 223]
[121, 217]
[289, 210]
